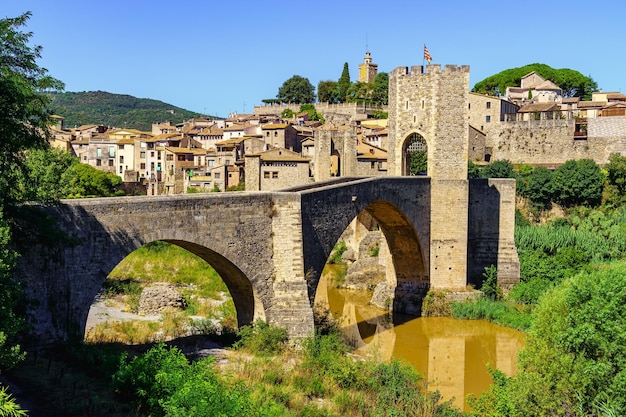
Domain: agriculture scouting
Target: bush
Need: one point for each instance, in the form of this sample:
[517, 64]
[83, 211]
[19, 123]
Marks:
[262, 339]
[490, 286]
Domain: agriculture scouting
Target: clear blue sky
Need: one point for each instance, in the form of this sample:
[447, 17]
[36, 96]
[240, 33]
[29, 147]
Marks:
[218, 57]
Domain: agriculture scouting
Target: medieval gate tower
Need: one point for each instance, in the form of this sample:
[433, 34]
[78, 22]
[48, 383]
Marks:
[430, 106]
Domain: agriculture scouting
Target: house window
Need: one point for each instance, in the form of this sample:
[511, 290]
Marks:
[487, 119]
[211, 162]
[373, 165]
[142, 155]
[227, 162]
[99, 152]
[121, 159]
[151, 166]
[217, 175]
[276, 133]
[120, 147]
[169, 157]
[142, 165]
[121, 169]
[111, 162]
[112, 151]
[152, 154]
[274, 174]
[84, 157]
[266, 174]
[181, 157]
[98, 162]
[489, 104]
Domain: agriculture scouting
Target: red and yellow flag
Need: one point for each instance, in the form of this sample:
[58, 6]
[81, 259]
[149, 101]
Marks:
[427, 56]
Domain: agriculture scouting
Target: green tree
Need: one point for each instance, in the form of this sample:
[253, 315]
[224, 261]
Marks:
[24, 116]
[573, 83]
[578, 182]
[297, 90]
[473, 170]
[343, 85]
[310, 110]
[360, 92]
[539, 188]
[418, 163]
[574, 357]
[24, 121]
[45, 173]
[616, 178]
[328, 92]
[498, 169]
[82, 180]
[381, 89]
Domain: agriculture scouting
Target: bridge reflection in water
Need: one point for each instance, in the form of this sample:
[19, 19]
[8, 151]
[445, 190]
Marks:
[451, 354]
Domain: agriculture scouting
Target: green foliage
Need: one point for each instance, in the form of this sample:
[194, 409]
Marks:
[239, 187]
[24, 116]
[574, 357]
[82, 180]
[498, 169]
[473, 170]
[504, 313]
[381, 89]
[296, 90]
[578, 182]
[118, 110]
[8, 406]
[538, 187]
[45, 174]
[436, 304]
[286, 114]
[338, 250]
[379, 114]
[328, 92]
[490, 286]
[262, 339]
[162, 383]
[418, 163]
[343, 85]
[573, 83]
[310, 110]
[360, 92]
[616, 179]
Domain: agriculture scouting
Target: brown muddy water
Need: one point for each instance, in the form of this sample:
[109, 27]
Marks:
[451, 354]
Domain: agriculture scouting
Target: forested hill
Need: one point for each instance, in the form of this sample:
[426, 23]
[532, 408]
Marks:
[115, 110]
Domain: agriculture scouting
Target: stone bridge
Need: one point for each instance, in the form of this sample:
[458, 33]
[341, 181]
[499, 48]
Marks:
[270, 247]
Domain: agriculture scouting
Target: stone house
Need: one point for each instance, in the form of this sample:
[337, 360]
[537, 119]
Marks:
[276, 169]
[371, 161]
[281, 135]
[486, 111]
[535, 88]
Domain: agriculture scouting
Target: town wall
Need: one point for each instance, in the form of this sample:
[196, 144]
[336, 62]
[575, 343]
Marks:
[552, 142]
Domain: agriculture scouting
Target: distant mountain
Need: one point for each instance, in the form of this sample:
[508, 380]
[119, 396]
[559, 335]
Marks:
[115, 110]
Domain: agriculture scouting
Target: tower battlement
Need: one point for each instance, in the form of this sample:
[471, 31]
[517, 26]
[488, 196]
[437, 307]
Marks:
[417, 70]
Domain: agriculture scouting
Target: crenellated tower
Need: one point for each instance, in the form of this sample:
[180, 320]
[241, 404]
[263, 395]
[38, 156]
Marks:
[430, 105]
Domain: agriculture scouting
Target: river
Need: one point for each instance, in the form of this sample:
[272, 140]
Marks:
[451, 354]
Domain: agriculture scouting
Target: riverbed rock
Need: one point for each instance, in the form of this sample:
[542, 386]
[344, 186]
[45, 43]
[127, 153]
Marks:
[364, 274]
[159, 296]
[383, 296]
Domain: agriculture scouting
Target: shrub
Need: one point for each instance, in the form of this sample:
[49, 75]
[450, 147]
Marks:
[338, 250]
[436, 304]
[490, 286]
[262, 339]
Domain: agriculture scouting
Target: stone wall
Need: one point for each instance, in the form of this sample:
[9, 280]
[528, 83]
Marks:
[552, 142]
[491, 239]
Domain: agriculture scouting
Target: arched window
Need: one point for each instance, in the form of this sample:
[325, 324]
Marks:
[415, 155]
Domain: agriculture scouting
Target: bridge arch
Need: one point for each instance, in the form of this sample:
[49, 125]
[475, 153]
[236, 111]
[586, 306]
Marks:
[402, 214]
[248, 306]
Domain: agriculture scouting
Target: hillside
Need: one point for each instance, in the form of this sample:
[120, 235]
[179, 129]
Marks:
[115, 110]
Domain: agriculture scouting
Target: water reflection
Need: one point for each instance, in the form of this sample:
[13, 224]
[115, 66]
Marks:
[451, 354]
